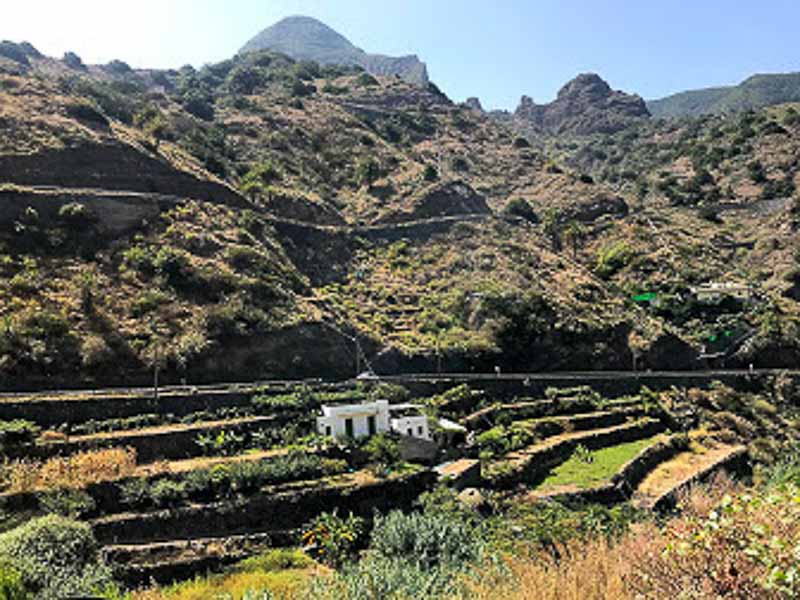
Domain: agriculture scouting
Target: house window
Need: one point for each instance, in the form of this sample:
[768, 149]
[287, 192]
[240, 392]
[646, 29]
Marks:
[372, 425]
[328, 430]
[420, 430]
[348, 428]
[410, 432]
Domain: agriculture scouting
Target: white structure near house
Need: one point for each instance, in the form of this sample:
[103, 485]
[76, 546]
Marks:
[711, 292]
[362, 420]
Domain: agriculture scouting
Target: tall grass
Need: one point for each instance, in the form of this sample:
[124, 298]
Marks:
[73, 472]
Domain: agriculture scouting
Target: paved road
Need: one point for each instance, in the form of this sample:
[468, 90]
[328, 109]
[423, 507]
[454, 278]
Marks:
[576, 376]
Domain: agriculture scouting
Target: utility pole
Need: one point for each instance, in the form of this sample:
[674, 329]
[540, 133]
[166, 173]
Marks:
[155, 372]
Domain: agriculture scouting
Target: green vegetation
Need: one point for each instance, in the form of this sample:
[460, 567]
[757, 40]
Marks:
[586, 469]
[228, 481]
[55, 557]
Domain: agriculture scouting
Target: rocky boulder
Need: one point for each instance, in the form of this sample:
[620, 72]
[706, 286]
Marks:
[588, 211]
[450, 199]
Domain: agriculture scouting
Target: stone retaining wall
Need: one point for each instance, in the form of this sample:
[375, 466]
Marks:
[532, 466]
[263, 512]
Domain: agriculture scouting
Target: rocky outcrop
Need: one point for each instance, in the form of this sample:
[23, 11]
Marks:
[588, 211]
[584, 106]
[304, 38]
[115, 167]
[474, 104]
[450, 199]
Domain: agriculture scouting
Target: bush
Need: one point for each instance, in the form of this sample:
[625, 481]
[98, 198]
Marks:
[118, 67]
[67, 503]
[84, 111]
[612, 259]
[366, 80]
[331, 539]
[17, 433]
[382, 451]
[519, 207]
[11, 586]
[56, 557]
[521, 142]
[430, 173]
[425, 540]
[76, 216]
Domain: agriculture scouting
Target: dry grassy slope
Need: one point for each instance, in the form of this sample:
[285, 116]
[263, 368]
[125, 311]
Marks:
[232, 297]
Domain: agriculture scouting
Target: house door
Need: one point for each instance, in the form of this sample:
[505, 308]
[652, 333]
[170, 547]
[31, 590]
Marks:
[348, 428]
[372, 425]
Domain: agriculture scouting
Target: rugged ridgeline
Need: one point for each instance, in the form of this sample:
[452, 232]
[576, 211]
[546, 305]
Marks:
[755, 92]
[253, 218]
[586, 105]
[304, 38]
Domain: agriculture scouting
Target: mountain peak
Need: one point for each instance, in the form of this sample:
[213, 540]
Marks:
[588, 84]
[306, 38]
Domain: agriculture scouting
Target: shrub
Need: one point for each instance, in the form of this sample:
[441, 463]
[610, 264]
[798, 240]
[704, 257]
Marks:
[331, 539]
[382, 451]
[519, 207]
[17, 433]
[613, 258]
[395, 394]
[11, 586]
[57, 557]
[84, 111]
[67, 503]
[118, 67]
[366, 80]
[425, 540]
[521, 142]
[430, 173]
[76, 216]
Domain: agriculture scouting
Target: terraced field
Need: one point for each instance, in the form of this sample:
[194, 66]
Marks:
[196, 480]
[192, 484]
[591, 450]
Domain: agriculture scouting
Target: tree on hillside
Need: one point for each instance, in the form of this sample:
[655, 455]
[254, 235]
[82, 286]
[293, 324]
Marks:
[574, 235]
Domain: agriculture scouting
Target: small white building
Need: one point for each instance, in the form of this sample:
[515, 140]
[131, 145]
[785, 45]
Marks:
[362, 420]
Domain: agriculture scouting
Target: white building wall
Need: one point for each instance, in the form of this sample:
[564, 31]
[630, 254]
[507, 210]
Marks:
[416, 426]
[333, 421]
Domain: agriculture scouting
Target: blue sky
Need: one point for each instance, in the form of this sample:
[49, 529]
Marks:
[497, 50]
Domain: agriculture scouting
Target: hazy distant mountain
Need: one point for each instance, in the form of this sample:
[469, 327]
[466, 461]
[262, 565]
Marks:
[304, 38]
[756, 92]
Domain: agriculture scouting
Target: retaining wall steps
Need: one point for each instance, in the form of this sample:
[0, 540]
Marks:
[535, 462]
[539, 409]
[285, 506]
[661, 488]
[177, 560]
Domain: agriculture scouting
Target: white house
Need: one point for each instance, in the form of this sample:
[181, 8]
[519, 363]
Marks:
[362, 420]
